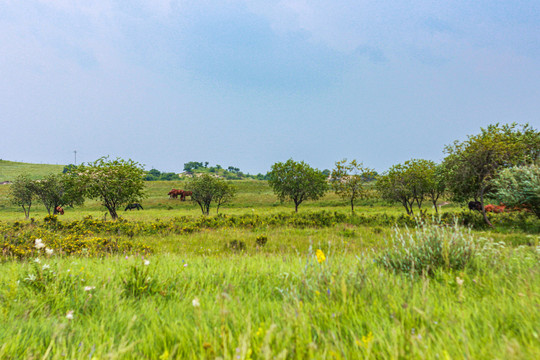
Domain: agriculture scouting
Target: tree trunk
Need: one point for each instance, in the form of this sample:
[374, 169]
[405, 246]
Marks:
[113, 213]
[26, 211]
[484, 209]
[352, 206]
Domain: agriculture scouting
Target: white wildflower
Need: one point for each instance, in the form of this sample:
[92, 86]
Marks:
[49, 251]
[69, 315]
[45, 267]
[459, 281]
[196, 302]
[39, 244]
[31, 277]
[89, 288]
[146, 262]
[37, 260]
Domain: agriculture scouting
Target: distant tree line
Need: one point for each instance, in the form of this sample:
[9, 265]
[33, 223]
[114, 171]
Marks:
[156, 175]
[231, 173]
[501, 163]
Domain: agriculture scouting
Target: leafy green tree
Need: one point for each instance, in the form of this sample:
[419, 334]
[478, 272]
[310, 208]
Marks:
[58, 190]
[22, 192]
[114, 182]
[225, 192]
[519, 186]
[193, 165]
[411, 182]
[297, 181]
[348, 180]
[471, 165]
[206, 189]
[435, 183]
[394, 185]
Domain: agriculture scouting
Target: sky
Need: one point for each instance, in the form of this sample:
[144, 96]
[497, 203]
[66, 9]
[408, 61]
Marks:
[247, 83]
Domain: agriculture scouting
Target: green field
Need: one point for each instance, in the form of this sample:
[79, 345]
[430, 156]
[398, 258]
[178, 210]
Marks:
[9, 170]
[213, 289]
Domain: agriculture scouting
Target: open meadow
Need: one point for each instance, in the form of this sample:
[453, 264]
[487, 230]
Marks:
[258, 281]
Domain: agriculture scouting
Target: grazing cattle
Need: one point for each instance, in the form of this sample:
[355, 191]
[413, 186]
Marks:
[58, 210]
[134, 206]
[475, 205]
[173, 194]
[184, 194]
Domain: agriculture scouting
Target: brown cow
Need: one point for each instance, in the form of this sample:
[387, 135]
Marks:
[58, 210]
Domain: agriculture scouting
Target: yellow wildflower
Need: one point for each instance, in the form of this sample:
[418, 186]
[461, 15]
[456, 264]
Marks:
[320, 256]
[367, 339]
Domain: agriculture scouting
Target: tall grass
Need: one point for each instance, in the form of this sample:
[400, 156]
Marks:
[261, 305]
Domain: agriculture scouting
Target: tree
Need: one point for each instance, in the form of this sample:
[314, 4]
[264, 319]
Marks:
[114, 182]
[58, 190]
[22, 193]
[348, 180]
[435, 182]
[225, 192]
[297, 181]
[207, 188]
[410, 183]
[193, 165]
[472, 164]
[393, 185]
[518, 186]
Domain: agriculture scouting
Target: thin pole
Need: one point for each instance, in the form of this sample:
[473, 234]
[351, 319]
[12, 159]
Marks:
[75, 152]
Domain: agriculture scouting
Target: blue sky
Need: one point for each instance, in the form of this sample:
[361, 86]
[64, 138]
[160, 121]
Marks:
[248, 83]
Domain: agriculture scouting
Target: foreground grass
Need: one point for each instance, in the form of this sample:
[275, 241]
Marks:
[267, 306]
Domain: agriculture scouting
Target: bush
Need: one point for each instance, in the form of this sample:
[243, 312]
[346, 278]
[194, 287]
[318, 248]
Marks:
[428, 248]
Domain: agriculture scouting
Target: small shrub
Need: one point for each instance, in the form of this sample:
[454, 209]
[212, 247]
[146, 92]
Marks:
[348, 233]
[428, 248]
[237, 245]
[261, 240]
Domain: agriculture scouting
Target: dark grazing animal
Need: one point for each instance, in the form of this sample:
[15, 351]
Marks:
[58, 210]
[134, 206]
[475, 205]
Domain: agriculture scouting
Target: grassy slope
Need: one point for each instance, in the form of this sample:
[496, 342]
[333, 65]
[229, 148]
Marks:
[9, 170]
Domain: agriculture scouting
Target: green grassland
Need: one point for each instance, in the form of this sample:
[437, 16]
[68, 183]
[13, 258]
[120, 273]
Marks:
[212, 290]
[9, 170]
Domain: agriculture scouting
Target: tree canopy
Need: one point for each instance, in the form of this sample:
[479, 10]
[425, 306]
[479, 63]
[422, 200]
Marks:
[411, 182]
[348, 180]
[297, 181]
[58, 190]
[113, 182]
[519, 186]
[206, 189]
[22, 193]
[472, 164]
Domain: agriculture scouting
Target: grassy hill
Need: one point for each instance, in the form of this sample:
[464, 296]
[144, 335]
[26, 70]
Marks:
[9, 170]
